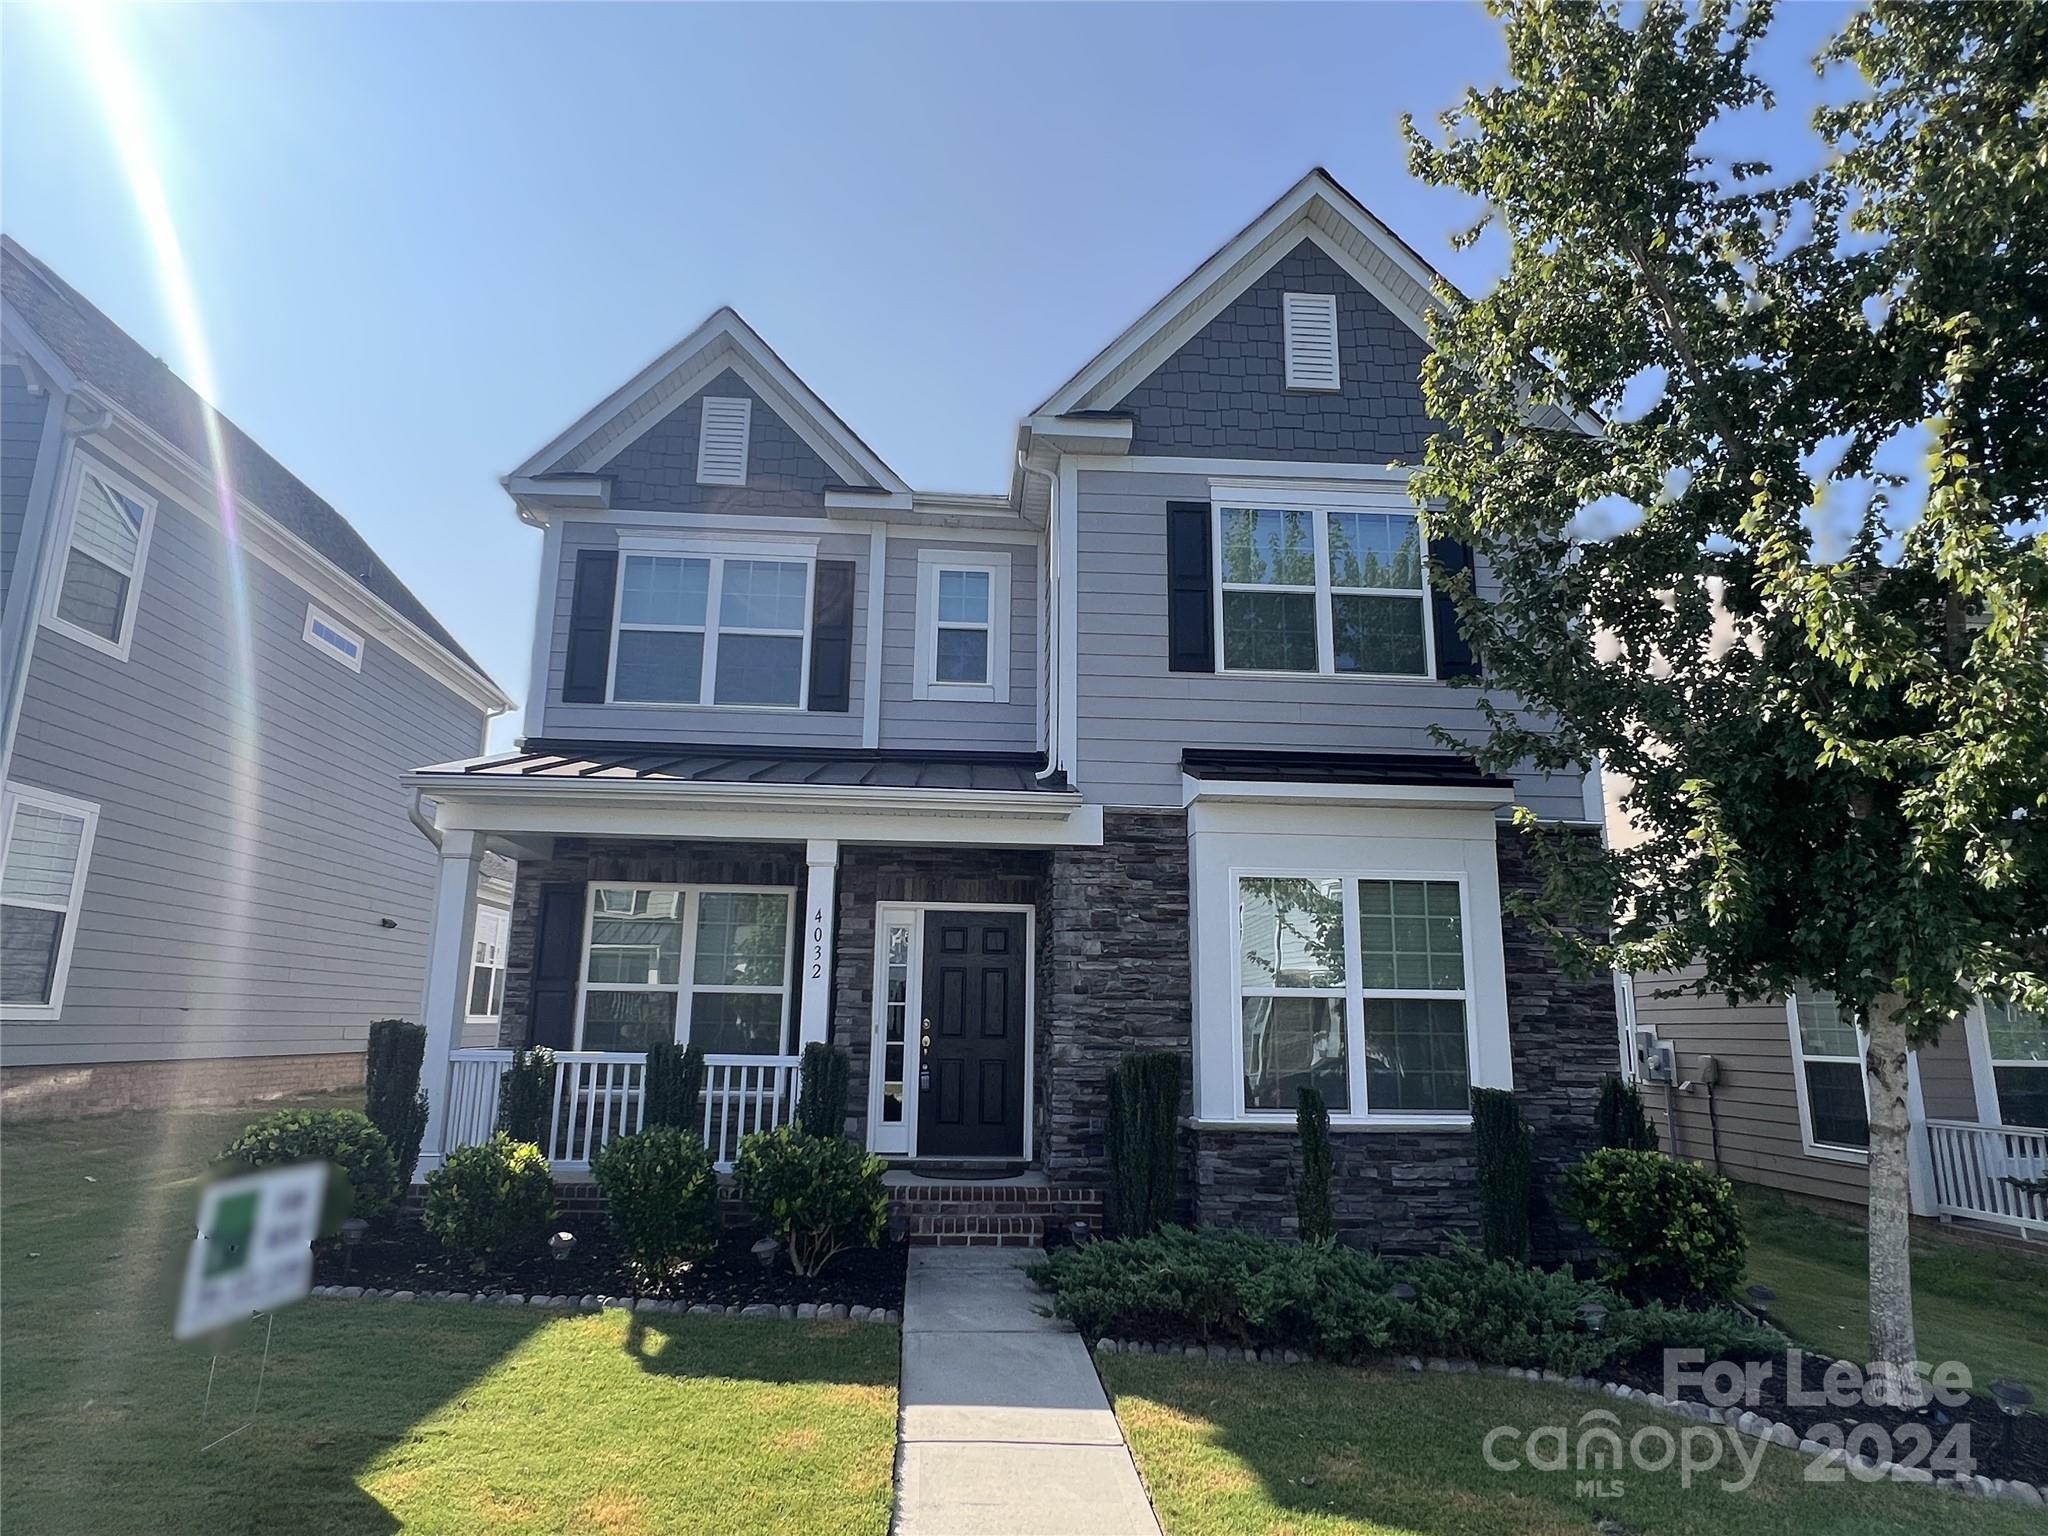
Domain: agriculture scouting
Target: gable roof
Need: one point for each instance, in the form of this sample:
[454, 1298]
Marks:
[723, 341]
[110, 361]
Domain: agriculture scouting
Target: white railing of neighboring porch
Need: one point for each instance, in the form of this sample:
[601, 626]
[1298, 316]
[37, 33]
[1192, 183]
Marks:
[599, 1095]
[1990, 1173]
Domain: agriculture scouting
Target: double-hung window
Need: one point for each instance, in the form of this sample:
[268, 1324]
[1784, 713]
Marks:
[2018, 1042]
[963, 626]
[487, 964]
[106, 542]
[1354, 986]
[1827, 1042]
[1338, 586]
[701, 965]
[712, 628]
[45, 847]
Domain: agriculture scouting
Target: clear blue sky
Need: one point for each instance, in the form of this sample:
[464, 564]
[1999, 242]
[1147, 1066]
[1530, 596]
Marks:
[426, 238]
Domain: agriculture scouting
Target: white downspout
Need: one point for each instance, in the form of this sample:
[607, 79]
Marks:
[1055, 749]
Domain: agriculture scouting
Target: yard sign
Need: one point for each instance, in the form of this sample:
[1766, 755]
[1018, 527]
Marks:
[254, 1251]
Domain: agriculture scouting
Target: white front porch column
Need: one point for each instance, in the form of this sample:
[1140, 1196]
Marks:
[448, 960]
[821, 861]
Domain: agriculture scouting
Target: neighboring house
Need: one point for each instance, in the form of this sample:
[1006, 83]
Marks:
[1773, 1093]
[988, 790]
[210, 883]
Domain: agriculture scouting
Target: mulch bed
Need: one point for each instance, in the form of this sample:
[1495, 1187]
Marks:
[2025, 1456]
[403, 1256]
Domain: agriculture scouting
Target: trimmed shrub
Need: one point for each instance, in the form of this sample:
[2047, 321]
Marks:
[486, 1199]
[392, 1095]
[1312, 1208]
[1622, 1121]
[821, 1101]
[673, 1086]
[344, 1138]
[661, 1195]
[524, 1092]
[1501, 1144]
[1143, 1136]
[819, 1194]
[1671, 1228]
[1212, 1286]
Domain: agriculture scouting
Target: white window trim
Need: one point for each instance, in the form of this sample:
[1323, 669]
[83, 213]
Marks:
[996, 565]
[321, 644]
[502, 917]
[81, 466]
[12, 798]
[1812, 1147]
[1350, 844]
[1319, 505]
[746, 413]
[687, 986]
[1984, 1066]
[717, 551]
[1322, 304]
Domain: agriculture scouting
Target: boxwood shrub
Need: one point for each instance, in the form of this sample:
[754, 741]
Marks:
[489, 1198]
[344, 1138]
[819, 1194]
[661, 1196]
[1670, 1228]
[1212, 1286]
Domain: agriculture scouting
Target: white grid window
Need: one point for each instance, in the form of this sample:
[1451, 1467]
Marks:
[2018, 1046]
[730, 997]
[1335, 588]
[487, 965]
[107, 535]
[963, 626]
[45, 848]
[1827, 1048]
[723, 629]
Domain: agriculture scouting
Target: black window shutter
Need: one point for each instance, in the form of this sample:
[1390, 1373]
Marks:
[1190, 601]
[557, 957]
[1454, 656]
[832, 636]
[589, 662]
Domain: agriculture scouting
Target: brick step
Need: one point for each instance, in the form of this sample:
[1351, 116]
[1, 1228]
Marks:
[978, 1229]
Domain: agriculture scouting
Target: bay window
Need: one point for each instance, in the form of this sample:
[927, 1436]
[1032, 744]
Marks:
[1827, 1048]
[732, 996]
[1339, 587]
[721, 628]
[2018, 1041]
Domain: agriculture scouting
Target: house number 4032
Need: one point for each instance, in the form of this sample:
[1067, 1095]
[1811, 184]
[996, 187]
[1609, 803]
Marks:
[817, 971]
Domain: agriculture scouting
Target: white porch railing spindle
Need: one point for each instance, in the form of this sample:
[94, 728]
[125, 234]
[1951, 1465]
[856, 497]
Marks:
[1984, 1173]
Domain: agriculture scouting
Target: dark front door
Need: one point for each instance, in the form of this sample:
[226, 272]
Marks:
[972, 1035]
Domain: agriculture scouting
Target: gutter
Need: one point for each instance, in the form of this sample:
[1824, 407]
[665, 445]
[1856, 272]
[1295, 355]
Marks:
[1049, 805]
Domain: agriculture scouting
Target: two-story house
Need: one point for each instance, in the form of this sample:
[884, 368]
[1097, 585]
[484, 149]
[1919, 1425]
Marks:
[210, 688]
[988, 790]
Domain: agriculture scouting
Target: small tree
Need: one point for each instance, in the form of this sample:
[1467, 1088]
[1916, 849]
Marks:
[821, 1100]
[1143, 1142]
[674, 1086]
[525, 1094]
[1621, 1119]
[1665, 436]
[1501, 1145]
[392, 1095]
[1312, 1207]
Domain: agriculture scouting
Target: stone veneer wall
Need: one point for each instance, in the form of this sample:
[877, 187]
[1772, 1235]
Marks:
[1407, 1191]
[1114, 976]
[632, 861]
[867, 876]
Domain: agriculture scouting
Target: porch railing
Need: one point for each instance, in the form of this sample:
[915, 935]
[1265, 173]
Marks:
[601, 1094]
[1991, 1173]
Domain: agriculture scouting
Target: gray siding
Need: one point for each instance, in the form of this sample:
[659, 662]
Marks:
[1136, 716]
[252, 832]
[662, 722]
[658, 470]
[1225, 391]
[914, 724]
[1948, 1090]
[21, 432]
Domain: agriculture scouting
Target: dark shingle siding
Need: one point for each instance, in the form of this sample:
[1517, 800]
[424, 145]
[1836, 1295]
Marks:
[1225, 392]
[659, 470]
[107, 357]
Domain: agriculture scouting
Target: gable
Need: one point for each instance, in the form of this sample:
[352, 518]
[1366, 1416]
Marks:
[658, 469]
[1224, 392]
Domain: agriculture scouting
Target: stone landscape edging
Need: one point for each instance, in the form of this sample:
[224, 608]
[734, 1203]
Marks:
[800, 1311]
[1743, 1421]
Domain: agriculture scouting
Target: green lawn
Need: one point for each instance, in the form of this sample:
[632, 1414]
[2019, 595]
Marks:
[1985, 1307]
[384, 1417]
[1233, 1450]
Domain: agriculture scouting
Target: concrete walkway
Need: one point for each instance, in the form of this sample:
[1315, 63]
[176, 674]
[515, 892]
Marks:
[1005, 1427]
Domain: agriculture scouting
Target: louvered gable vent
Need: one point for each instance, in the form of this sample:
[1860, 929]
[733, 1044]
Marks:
[1311, 340]
[722, 441]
